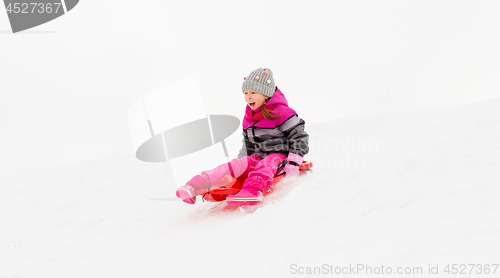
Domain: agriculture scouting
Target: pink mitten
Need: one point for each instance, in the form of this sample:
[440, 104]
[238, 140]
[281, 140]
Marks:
[292, 167]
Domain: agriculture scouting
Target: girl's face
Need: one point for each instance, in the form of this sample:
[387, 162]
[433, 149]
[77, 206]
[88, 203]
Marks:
[254, 99]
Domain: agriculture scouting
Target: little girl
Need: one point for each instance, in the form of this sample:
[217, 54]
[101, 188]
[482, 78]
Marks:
[272, 132]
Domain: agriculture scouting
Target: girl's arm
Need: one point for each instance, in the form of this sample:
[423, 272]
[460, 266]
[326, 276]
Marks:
[298, 138]
[298, 142]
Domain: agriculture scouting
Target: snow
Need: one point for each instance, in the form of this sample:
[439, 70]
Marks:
[392, 185]
[401, 189]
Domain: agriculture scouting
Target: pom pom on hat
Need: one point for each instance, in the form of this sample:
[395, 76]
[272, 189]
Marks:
[264, 85]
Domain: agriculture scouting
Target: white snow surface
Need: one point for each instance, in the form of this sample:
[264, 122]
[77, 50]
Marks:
[407, 189]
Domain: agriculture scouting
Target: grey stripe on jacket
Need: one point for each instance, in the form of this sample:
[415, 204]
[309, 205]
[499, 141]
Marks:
[289, 136]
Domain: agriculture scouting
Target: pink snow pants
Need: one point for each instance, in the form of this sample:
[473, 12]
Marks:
[258, 173]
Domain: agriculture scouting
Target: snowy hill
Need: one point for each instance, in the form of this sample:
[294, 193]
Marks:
[400, 190]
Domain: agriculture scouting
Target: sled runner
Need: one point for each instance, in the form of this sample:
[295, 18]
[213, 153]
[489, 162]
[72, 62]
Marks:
[229, 185]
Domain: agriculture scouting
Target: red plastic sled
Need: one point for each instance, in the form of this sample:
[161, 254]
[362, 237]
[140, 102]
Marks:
[229, 185]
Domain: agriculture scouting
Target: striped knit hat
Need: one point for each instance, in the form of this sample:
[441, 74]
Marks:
[260, 80]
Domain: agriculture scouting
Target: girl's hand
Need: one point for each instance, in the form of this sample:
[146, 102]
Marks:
[291, 170]
[292, 167]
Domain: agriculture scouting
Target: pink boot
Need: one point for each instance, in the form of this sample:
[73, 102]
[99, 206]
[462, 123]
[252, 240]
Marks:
[245, 197]
[187, 194]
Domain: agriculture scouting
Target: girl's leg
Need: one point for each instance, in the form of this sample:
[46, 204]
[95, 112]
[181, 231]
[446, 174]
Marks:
[263, 173]
[238, 168]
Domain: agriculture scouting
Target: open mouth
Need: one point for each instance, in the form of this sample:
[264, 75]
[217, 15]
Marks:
[252, 104]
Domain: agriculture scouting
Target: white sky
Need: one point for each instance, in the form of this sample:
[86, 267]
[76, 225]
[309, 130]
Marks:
[65, 92]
